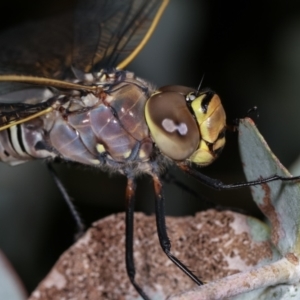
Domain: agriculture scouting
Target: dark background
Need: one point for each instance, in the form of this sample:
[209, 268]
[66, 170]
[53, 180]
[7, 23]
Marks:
[249, 52]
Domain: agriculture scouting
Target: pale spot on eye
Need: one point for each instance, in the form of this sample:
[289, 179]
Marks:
[170, 126]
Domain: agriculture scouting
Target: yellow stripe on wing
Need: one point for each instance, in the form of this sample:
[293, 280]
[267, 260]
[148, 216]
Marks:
[146, 38]
[47, 82]
[33, 116]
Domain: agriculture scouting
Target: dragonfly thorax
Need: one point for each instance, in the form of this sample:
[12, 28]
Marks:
[120, 120]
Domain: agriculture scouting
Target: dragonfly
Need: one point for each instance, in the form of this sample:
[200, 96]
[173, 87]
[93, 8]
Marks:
[65, 95]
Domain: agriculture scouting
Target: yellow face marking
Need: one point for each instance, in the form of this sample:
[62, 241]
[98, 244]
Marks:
[214, 105]
[203, 155]
[219, 144]
[146, 38]
[213, 125]
[211, 119]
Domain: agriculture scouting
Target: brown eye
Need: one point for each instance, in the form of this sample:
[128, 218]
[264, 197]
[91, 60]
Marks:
[172, 126]
[180, 89]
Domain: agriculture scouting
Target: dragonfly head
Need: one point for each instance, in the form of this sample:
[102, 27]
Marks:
[187, 124]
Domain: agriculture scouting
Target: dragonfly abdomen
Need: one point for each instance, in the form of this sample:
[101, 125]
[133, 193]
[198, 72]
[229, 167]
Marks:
[23, 142]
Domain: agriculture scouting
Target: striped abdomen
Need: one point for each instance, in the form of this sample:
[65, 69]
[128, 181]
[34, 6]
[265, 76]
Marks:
[23, 142]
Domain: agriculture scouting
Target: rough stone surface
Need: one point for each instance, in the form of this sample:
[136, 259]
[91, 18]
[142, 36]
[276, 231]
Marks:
[213, 244]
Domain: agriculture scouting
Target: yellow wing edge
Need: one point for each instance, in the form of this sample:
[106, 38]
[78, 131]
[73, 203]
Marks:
[33, 116]
[146, 38]
[46, 82]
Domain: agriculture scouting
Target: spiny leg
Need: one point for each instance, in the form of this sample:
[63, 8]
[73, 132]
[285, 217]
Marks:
[69, 202]
[171, 179]
[162, 230]
[130, 268]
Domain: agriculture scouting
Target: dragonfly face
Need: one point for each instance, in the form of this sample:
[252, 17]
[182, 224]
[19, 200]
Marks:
[186, 124]
[68, 101]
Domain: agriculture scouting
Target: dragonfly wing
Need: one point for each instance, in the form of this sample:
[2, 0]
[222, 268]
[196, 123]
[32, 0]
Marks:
[37, 48]
[107, 32]
[88, 36]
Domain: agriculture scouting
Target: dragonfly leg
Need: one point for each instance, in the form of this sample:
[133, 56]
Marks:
[69, 202]
[171, 179]
[130, 268]
[162, 231]
[219, 185]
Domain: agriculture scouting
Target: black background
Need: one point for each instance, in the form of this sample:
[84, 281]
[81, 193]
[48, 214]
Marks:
[249, 52]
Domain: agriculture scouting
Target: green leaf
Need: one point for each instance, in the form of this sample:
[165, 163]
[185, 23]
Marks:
[279, 201]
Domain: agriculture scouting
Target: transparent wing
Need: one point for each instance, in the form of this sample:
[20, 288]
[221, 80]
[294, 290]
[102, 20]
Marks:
[90, 35]
[39, 48]
[111, 31]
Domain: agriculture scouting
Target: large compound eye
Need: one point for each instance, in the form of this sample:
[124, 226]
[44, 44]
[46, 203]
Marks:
[180, 89]
[172, 126]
